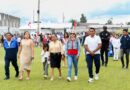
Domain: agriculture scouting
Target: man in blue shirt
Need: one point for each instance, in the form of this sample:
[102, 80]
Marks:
[11, 49]
[125, 48]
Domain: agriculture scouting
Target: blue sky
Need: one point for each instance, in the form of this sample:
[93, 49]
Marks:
[98, 11]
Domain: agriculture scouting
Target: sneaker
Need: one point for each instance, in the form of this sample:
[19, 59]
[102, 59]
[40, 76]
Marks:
[68, 79]
[52, 79]
[28, 78]
[96, 77]
[90, 80]
[60, 77]
[45, 76]
[6, 78]
[75, 78]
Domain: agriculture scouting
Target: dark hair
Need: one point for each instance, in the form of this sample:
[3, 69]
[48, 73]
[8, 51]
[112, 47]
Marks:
[92, 28]
[9, 34]
[46, 46]
[66, 34]
[125, 29]
[27, 32]
[104, 27]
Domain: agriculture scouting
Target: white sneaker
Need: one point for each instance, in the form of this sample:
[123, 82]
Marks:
[68, 79]
[52, 79]
[75, 78]
[96, 77]
[90, 80]
[60, 77]
[45, 76]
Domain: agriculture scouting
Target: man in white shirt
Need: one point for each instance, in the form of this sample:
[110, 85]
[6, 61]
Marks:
[93, 46]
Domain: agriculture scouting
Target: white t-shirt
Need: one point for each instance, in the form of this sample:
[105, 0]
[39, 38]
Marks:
[116, 43]
[18, 39]
[92, 43]
[45, 55]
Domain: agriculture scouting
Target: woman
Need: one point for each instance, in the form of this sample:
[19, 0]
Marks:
[72, 49]
[56, 51]
[64, 41]
[116, 46]
[26, 55]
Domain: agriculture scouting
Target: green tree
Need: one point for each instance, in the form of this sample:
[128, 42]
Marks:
[83, 19]
[109, 22]
[128, 23]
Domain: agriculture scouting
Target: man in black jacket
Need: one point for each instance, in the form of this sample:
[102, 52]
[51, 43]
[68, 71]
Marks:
[105, 37]
[125, 48]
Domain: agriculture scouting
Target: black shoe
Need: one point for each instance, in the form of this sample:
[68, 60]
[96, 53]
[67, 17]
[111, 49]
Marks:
[123, 66]
[17, 74]
[6, 78]
[105, 65]
[126, 67]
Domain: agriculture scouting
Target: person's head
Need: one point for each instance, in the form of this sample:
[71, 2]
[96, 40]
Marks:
[125, 32]
[87, 33]
[53, 37]
[8, 36]
[66, 35]
[72, 35]
[27, 35]
[104, 28]
[92, 32]
[116, 36]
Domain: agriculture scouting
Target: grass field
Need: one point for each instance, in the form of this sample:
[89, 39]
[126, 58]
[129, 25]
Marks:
[111, 78]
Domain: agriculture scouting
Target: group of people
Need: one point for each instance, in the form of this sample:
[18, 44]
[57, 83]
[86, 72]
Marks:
[67, 49]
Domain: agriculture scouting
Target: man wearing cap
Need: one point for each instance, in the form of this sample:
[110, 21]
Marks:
[125, 48]
[11, 49]
[105, 37]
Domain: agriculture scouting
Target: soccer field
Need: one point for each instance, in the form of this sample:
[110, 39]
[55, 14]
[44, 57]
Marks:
[111, 78]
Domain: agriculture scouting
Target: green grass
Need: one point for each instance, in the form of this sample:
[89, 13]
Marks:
[111, 78]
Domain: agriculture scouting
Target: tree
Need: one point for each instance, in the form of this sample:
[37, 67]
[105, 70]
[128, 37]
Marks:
[109, 22]
[74, 23]
[128, 23]
[83, 19]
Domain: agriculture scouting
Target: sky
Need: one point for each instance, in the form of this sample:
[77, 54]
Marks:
[96, 11]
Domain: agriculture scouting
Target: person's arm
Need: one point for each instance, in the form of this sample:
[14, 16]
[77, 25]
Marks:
[20, 49]
[78, 48]
[61, 47]
[99, 45]
[66, 48]
[86, 46]
[17, 46]
[87, 49]
[32, 48]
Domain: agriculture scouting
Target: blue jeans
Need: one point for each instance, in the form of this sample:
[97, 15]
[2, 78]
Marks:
[89, 60]
[72, 59]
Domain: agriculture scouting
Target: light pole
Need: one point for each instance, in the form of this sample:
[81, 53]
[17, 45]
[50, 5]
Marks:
[38, 17]
[8, 23]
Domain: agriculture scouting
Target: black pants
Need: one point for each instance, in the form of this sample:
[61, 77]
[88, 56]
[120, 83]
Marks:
[126, 52]
[7, 64]
[89, 60]
[106, 56]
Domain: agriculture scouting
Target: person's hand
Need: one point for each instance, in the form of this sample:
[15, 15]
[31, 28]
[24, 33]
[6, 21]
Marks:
[32, 58]
[18, 56]
[77, 57]
[92, 53]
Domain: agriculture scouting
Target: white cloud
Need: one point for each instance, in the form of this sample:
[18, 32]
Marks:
[55, 8]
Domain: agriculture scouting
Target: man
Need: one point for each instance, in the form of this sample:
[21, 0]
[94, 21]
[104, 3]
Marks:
[125, 48]
[92, 46]
[11, 49]
[105, 37]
